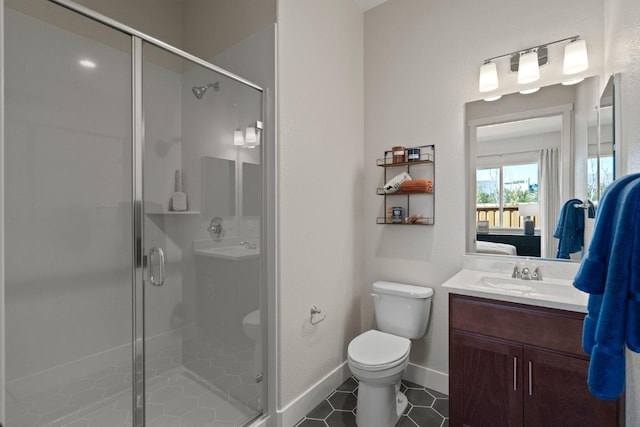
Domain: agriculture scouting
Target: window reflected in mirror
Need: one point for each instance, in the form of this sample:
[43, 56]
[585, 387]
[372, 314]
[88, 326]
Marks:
[501, 190]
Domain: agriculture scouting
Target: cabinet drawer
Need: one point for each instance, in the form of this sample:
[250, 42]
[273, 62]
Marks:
[537, 326]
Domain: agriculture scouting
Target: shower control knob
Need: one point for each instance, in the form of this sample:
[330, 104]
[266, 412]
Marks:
[216, 229]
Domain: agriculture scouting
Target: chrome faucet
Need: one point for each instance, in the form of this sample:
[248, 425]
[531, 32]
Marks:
[537, 273]
[526, 274]
[516, 272]
[248, 245]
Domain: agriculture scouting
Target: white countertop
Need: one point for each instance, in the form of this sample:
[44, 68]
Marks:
[551, 293]
[229, 249]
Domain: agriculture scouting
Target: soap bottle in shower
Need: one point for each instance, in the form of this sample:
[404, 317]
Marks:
[178, 199]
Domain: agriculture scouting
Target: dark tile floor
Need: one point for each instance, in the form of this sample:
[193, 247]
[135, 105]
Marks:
[427, 408]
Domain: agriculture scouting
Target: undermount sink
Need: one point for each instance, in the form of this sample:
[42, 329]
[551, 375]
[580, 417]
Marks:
[556, 290]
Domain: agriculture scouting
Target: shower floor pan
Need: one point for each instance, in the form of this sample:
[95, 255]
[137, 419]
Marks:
[175, 397]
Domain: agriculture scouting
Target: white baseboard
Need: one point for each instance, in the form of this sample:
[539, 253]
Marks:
[435, 380]
[299, 408]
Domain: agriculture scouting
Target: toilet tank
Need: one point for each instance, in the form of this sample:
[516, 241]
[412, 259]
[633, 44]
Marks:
[401, 309]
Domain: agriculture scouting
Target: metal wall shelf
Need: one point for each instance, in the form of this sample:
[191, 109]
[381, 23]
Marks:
[424, 168]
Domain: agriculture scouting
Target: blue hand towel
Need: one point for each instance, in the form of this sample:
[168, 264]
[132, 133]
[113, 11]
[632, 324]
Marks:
[613, 316]
[592, 274]
[570, 229]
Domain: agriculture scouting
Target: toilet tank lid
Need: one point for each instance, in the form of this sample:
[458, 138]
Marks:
[401, 289]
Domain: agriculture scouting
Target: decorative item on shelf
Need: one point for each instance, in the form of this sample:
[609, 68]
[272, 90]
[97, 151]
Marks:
[396, 214]
[417, 186]
[398, 154]
[528, 210]
[178, 198]
[394, 183]
[413, 154]
[416, 219]
[388, 157]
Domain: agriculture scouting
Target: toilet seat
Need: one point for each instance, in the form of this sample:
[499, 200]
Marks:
[378, 351]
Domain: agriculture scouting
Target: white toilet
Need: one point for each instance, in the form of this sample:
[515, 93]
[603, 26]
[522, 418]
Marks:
[378, 358]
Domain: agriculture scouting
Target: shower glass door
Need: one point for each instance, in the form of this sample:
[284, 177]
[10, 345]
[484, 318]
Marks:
[133, 220]
[68, 219]
[201, 233]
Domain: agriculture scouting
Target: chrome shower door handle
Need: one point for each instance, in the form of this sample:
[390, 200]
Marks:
[156, 280]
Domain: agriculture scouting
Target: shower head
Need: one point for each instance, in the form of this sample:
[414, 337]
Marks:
[199, 91]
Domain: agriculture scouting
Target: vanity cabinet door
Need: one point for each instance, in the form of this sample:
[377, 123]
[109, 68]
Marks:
[556, 393]
[485, 382]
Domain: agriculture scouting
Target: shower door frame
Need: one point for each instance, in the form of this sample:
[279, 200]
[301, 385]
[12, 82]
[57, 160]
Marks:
[137, 133]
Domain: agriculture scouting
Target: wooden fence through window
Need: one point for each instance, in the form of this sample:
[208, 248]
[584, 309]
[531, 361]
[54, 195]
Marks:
[511, 218]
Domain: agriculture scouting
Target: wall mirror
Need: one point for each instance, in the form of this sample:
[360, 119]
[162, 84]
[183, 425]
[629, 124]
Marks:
[227, 189]
[528, 157]
[218, 187]
[602, 152]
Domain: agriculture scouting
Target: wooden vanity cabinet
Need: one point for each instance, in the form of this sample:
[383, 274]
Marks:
[513, 365]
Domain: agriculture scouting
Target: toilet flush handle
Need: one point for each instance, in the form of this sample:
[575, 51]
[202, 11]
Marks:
[376, 295]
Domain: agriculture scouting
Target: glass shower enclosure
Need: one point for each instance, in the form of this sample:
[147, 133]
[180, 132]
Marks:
[133, 257]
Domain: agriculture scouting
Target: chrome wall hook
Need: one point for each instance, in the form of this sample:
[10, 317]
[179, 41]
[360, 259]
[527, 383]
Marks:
[313, 316]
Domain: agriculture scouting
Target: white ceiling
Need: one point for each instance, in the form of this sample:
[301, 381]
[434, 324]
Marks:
[368, 4]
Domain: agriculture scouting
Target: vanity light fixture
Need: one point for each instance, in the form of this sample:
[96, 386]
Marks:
[250, 137]
[527, 63]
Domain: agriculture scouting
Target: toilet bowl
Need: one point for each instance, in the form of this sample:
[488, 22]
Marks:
[378, 358]
[378, 361]
[251, 327]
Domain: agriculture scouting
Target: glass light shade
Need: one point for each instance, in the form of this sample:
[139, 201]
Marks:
[573, 81]
[488, 77]
[238, 138]
[250, 136]
[528, 91]
[528, 70]
[575, 57]
[493, 98]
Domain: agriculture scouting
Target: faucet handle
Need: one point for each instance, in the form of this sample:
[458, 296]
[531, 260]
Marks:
[516, 274]
[537, 273]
